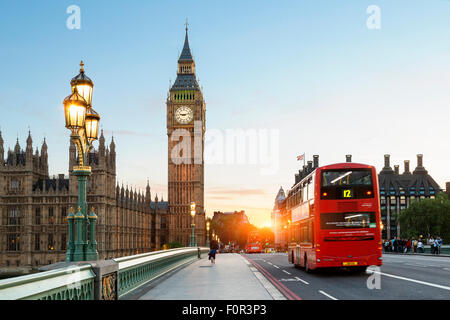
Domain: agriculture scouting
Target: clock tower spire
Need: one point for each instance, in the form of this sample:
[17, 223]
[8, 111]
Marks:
[186, 130]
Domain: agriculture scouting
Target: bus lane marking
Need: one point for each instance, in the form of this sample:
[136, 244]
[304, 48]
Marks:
[265, 275]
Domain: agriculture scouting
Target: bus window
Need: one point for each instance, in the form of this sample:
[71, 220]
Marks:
[345, 220]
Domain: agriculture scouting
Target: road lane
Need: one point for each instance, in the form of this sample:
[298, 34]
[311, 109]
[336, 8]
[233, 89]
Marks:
[402, 277]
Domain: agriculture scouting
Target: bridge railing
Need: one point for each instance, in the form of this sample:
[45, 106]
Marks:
[71, 283]
[97, 280]
[137, 270]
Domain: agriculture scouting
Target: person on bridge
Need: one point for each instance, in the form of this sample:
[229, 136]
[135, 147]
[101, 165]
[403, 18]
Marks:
[408, 246]
[420, 246]
[439, 240]
[414, 247]
[214, 246]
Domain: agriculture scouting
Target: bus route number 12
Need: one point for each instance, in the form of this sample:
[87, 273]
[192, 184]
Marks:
[347, 193]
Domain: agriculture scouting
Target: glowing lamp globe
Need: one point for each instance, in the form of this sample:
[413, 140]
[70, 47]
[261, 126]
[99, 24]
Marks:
[83, 84]
[92, 124]
[75, 111]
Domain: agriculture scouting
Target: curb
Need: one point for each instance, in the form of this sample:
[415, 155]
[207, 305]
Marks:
[419, 254]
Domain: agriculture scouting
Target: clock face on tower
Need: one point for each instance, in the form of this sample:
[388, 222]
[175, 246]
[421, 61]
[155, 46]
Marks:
[184, 115]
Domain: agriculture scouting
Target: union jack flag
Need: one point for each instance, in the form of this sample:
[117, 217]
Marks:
[300, 157]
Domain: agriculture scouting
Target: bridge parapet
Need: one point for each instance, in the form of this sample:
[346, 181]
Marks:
[96, 280]
[71, 283]
[137, 270]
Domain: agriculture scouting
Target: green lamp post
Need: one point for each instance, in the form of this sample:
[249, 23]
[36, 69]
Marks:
[193, 242]
[83, 122]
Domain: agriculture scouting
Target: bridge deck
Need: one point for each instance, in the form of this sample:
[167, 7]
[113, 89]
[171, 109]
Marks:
[230, 278]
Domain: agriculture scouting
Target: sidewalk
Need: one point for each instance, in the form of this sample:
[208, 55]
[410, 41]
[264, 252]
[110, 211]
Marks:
[230, 278]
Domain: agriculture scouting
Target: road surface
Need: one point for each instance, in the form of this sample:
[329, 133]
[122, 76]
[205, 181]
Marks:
[400, 277]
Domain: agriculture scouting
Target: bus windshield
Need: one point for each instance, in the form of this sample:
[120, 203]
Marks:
[346, 184]
[346, 177]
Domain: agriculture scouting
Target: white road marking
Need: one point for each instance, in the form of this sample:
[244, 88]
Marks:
[326, 294]
[411, 280]
[269, 263]
[286, 272]
[301, 280]
[287, 279]
[446, 269]
[276, 266]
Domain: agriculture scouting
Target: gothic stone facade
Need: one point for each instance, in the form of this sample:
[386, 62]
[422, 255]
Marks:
[34, 207]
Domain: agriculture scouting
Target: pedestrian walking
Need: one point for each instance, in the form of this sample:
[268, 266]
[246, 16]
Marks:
[414, 248]
[214, 246]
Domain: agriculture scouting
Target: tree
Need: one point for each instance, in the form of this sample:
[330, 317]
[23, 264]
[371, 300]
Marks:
[231, 228]
[427, 217]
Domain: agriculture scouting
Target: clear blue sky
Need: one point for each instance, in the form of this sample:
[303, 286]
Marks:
[311, 69]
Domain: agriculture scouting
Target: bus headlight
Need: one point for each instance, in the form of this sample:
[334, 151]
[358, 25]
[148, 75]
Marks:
[318, 260]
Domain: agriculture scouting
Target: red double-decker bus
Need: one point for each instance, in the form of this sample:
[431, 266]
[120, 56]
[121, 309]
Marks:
[254, 244]
[335, 218]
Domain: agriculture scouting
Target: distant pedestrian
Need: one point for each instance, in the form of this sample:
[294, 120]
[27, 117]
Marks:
[386, 246]
[439, 240]
[395, 244]
[408, 246]
[420, 246]
[414, 247]
[214, 246]
[431, 243]
[435, 246]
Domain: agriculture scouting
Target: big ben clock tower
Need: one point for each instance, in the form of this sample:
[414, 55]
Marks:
[186, 130]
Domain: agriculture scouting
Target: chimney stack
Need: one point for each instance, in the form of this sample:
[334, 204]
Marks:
[396, 169]
[407, 167]
[316, 160]
[348, 158]
[420, 169]
[310, 166]
[420, 160]
[386, 161]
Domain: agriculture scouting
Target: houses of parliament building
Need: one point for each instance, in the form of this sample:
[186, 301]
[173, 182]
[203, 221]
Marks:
[34, 206]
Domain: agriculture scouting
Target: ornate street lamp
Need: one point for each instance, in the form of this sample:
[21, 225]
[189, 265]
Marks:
[207, 233]
[193, 244]
[83, 122]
